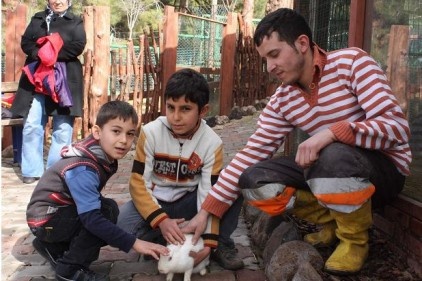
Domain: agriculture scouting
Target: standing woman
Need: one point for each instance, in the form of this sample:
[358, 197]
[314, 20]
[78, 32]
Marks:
[35, 106]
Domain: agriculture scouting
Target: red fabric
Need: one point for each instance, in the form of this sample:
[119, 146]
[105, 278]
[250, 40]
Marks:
[50, 47]
[48, 53]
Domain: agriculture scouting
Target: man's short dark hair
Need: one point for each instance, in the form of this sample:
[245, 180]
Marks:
[287, 23]
[116, 109]
[189, 83]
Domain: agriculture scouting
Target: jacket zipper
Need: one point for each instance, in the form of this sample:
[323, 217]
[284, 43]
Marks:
[178, 162]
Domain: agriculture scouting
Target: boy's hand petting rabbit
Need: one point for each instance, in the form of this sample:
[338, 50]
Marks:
[180, 259]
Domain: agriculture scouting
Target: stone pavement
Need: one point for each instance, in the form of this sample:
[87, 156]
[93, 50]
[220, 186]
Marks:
[21, 263]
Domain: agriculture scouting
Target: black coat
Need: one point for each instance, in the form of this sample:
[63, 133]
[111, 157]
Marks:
[71, 29]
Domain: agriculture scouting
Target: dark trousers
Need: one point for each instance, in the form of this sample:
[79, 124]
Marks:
[186, 207]
[337, 160]
[64, 232]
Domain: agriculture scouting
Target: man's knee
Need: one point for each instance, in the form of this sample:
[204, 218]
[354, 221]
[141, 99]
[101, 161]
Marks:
[248, 178]
[340, 160]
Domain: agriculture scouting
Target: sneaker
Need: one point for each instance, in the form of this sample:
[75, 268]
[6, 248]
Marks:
[42, 249]
[83, 275]
[29, 180]
[227, 258]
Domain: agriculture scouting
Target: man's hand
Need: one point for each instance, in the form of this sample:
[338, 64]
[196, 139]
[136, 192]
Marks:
[308, 151]
[171, 231]
[197, 225]
[200, 256]
[148, 248]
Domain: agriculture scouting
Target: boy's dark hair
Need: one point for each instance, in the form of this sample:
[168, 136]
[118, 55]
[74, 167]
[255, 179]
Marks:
[189, 83]
[288, 24]
[116, 109]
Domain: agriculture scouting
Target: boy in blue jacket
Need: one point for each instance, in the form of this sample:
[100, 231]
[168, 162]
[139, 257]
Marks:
[67, 213]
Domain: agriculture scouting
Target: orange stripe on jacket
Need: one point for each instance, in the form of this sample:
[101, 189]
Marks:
[277, 205]
[349, 198]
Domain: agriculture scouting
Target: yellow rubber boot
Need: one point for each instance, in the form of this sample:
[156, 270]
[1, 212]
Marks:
[352, 251]
[307, 208]
[323, 238]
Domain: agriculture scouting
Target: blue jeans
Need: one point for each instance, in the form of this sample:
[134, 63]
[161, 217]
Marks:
[132, 222]
[33, 138]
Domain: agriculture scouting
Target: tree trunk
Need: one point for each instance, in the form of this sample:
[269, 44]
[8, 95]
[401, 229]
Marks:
[273, 5]
[247, 15]
[130, 33]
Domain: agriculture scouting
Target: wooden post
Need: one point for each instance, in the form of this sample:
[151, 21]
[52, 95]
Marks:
[227, 64]
[87, 87]
[357, 23]
[169, 51]
[138, 93]
[101, 62]
[397, 63]
[88, 17]
[15, 57]
[114, 74]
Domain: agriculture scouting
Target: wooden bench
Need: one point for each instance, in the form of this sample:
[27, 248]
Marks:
[10, 87]
[15, 123]
[11, 122]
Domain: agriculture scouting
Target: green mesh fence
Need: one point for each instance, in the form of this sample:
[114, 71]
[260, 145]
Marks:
[199, 45]
[200, 39]
[414, 83]
[329, 21]
[218, 11]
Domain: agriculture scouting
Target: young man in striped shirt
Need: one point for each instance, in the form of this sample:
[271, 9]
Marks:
[357, 155]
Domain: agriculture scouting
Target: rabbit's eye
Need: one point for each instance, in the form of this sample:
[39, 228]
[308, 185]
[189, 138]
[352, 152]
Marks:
[170, 258]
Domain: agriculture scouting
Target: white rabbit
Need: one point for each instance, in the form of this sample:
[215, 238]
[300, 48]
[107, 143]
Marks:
[179, 261]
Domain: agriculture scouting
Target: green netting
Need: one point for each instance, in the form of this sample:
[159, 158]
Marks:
[219, 11]
[329, 21]
[199, 41]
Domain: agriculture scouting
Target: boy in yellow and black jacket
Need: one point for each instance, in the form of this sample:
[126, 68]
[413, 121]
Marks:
[178, 158]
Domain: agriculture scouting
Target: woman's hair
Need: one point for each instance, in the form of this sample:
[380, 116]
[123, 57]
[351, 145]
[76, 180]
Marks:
[287, 23]
[189, 83]
[116, 109]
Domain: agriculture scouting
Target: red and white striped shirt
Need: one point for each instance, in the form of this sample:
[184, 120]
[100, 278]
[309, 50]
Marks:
[352, 98]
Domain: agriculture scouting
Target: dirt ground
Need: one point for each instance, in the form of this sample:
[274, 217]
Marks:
[382, 264]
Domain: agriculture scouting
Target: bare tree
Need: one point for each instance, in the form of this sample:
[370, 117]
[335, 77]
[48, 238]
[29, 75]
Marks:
[229, 5]
[273, 5]
[133, 9]
[247, 15]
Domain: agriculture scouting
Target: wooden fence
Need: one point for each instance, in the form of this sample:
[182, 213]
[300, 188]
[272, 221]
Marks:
[139, 77]
[136, 77]
[251, 81]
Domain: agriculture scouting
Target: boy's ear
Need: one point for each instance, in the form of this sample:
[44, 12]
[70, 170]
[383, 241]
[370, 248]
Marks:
[204, 110]
[96, 132]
